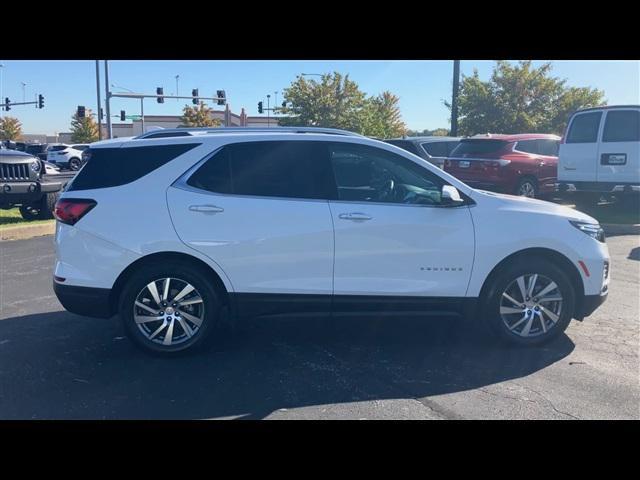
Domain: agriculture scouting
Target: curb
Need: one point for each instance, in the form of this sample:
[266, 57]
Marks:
[23, 232]
[621, 229]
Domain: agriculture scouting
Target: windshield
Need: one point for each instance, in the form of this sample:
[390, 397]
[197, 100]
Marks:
[478, 147]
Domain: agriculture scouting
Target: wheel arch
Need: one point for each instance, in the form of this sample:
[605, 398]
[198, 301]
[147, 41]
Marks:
[185, 258]
[548, 254]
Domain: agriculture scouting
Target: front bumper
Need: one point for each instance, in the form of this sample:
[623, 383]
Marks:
[590, 304]
[19, 193]
[87, 301]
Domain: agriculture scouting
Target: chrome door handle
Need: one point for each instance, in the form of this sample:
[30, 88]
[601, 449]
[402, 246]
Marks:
[206, 208]
[354, 216]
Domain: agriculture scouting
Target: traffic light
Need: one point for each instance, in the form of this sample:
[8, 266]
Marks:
[160, 92]
[259, 107]
[40, 101]
[222, 97]
[81, 111]
[284, 104]
[122, 115]
[194, 94]
[101, 113]
[7, 104]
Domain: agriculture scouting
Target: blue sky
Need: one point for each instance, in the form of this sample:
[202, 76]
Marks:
[421, 85]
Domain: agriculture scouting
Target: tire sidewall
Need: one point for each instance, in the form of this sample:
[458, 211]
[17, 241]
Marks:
[154, 272]
[491, 311]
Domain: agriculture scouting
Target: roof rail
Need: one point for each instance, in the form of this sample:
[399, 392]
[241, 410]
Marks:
[186, 131]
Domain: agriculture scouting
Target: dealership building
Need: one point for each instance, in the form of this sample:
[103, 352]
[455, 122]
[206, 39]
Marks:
[134, 128]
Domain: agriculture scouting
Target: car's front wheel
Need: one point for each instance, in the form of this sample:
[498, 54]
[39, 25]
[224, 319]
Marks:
[530, 302]
[170, 308]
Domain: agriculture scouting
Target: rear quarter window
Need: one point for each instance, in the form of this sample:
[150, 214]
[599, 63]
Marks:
[112, 167]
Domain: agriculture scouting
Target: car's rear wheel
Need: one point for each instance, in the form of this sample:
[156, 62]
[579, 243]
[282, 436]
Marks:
[527, 187]
[530, 302]
[75, 164]
[170, 308]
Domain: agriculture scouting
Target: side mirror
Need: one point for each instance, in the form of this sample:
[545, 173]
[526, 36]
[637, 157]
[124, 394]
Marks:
[451, 196]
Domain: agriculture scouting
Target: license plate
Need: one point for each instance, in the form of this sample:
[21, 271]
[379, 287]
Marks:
[463, 164]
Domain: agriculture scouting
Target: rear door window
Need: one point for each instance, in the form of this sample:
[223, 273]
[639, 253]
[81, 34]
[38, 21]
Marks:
[478, 147]
[528, 146]
[584, 128]
[284, 169]
[622, 126]
[549, 147]
[406, 145]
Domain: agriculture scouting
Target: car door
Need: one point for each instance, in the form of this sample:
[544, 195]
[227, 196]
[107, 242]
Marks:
[259, 210]
[579, 152]
[619, 152]
[393, 236]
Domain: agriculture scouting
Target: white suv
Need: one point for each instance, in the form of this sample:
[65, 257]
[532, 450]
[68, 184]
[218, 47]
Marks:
[67, 156]
[179, 229]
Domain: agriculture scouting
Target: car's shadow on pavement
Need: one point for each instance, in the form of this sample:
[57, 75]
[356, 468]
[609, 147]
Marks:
[59, 365]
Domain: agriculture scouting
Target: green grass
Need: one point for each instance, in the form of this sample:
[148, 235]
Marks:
[12, 218]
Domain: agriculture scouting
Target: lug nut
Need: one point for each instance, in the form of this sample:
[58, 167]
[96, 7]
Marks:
[161, 313]
[169, 318]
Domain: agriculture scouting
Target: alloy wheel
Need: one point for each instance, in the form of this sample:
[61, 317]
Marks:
[527, 190]
[531, 305]
[169, 311]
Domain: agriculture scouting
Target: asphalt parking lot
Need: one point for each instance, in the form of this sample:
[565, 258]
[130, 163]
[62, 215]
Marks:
[55, 364]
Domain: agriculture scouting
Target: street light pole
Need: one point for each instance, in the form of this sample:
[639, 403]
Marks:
[177, 92]
[99, 103]
[24, 98]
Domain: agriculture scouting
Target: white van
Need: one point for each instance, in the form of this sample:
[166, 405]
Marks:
[600, 152]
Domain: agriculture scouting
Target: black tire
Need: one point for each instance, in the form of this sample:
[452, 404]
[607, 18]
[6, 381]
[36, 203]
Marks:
[47, 205]
[533, 265]
[527, 184]
[75, 164]
[175, 270]
[29, 212]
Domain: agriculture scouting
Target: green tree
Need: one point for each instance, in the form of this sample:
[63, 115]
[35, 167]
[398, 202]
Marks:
[381, 117]
[335, 101]
[438, 132]
[84, 130]
[10, 129]
[199, 116]
[519, 98]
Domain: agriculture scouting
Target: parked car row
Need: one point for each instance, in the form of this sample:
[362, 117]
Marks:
[599, 154]
[63, 155]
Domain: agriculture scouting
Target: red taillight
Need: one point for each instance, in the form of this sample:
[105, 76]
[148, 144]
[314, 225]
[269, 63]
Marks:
[71, 210]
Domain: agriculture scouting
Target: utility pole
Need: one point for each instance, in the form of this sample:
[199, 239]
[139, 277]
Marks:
[108, 99]
[24, 98]
[99, 103]
[454, 98]
[177, 94]
[268, 110]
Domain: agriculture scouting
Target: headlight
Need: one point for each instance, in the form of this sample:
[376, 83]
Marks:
[35, 166]
[591, 229]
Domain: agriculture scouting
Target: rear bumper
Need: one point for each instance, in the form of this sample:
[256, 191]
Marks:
[597, 187]
[87, 301]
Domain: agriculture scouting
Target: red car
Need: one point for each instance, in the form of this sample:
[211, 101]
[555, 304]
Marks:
[524, 164]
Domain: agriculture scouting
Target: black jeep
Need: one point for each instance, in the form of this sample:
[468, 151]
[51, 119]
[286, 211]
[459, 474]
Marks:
[25, 184]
